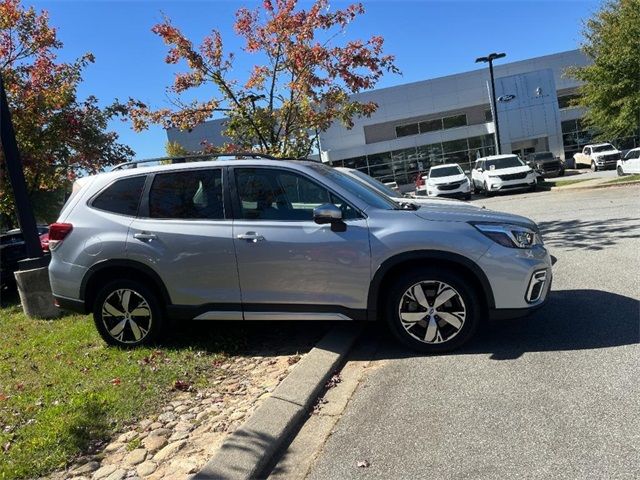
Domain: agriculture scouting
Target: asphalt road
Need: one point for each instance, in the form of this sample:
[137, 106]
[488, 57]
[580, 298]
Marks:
[554, 395]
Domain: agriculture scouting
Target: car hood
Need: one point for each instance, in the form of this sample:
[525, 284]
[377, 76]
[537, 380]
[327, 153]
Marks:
[465, 212]
[508, 171]
[451, 178]
[421, 201]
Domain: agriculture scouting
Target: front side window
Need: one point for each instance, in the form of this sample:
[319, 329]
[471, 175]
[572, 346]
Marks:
[121, 197]
[271, 194]
[194, 194]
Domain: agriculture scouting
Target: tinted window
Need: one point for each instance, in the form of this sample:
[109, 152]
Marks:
[405, 130]
[122, 196]
[455, 121]
[270, 194]
[194, 194]
[431, 125]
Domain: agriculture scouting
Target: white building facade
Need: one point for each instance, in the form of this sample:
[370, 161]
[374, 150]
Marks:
[449, 120]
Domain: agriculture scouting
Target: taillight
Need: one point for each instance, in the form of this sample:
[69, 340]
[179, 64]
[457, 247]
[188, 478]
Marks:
[44, 242]
[57, 233]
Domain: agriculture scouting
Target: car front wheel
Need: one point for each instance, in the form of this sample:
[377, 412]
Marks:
[127, 314]
[433, 310]
[620, 171]
[594, 167]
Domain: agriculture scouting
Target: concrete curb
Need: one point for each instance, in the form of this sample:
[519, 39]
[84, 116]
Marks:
[599, 185]
[251, 448]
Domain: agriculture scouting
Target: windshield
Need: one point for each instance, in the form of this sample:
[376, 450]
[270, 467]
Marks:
[542, 155]
[505, 162]
[444, 171]
[375, 184]
[366, 194]
[603, 148]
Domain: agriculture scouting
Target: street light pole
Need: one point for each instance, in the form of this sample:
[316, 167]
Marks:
[489, 59]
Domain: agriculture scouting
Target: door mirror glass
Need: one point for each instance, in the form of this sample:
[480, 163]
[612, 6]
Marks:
[327, 213]
[480, 169]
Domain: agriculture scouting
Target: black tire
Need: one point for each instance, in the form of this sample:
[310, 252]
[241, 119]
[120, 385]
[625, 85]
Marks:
[620, 172]
[594, 167]
[467, 196]
[533, 187]
[485, 190]
[432, 277]
[561, 173]
[132, 326]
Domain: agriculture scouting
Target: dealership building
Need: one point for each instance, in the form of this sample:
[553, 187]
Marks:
[450, 120]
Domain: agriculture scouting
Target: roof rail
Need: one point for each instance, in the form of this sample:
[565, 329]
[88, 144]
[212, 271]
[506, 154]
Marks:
[195, 158]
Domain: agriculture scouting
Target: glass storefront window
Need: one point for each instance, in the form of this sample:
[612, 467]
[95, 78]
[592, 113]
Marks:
[455, 146]
[430, 125]
[455, 121]
[356, 162]
[406, 130]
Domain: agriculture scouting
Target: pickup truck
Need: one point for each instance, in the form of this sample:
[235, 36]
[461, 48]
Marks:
[600, 156]
[546, 164]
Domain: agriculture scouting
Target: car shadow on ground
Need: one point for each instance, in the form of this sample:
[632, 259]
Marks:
[571, 320]
[266, 338]
[589, 234]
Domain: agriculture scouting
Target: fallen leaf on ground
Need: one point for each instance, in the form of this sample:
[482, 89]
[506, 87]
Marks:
[116, 381]
[182, 386]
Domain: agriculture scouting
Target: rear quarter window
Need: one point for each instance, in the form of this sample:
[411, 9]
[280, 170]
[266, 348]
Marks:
[121, 197]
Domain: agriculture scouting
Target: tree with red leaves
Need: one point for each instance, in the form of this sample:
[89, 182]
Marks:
[58, 135]
[302, 84]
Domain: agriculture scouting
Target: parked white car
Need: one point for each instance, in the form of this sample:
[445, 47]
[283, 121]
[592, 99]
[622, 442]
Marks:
[630, 163]
[498, 173]
[447, 181]
[599, 156]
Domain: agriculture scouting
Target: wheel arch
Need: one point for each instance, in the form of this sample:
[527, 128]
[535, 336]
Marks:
[107, 270]
[394, 266]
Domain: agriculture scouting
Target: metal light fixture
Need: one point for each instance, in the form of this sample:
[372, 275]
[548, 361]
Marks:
[489, 59]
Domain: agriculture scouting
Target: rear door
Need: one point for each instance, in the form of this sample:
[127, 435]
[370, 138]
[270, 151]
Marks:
[290, 267]
[183, 232]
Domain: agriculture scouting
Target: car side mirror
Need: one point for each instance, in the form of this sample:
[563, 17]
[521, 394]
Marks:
[467, 172]
[480, 170]
[329, 213]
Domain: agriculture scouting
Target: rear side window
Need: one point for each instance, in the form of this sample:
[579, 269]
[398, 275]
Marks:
[194, 194]
[121, 197]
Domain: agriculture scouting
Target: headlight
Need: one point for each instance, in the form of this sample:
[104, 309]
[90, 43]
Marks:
[508, 235]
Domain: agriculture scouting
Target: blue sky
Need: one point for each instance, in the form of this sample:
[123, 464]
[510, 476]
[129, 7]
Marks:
[429, 39]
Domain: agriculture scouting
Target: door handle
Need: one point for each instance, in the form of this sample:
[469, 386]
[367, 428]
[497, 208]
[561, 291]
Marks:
[145, 236]
[251, 237]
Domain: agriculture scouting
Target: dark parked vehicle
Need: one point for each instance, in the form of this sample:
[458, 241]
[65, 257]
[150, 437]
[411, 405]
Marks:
[546, 164]
[12, 250]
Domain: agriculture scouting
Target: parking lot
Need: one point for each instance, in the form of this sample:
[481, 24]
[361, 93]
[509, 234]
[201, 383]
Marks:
[554, 395]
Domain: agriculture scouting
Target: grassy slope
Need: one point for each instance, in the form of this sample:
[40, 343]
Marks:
[62, 389]
[626, 178]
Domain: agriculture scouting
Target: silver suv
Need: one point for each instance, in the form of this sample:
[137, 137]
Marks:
[257, 239]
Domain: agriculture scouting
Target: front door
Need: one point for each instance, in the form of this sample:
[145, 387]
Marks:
[289, 266]
[184, 234]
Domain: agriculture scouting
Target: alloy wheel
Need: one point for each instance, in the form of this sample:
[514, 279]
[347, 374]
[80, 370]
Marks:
[432, 311]
[126, 316]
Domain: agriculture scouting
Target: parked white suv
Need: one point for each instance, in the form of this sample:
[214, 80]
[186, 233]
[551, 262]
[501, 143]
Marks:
[498, 173]
[448, 181]
[630, 163]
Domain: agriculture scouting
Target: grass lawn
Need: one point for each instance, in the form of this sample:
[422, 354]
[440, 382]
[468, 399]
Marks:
[562, 183]
[626, 178]
[63, 390]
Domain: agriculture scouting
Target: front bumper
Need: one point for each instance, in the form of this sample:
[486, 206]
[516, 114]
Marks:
[513, 274]
[499, 185]
[436, 191]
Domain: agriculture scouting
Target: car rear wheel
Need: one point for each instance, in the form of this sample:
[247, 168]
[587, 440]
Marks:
[127, 314]
[433, 310]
